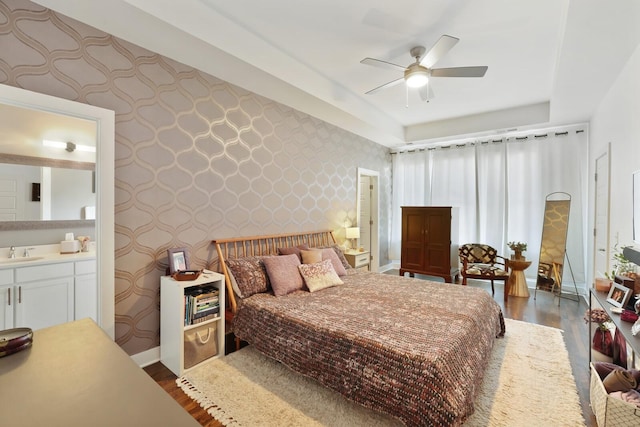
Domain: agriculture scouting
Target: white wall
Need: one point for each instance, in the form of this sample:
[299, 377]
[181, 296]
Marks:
[617, 121]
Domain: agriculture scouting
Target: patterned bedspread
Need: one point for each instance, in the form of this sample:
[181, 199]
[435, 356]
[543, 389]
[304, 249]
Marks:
[414, 349]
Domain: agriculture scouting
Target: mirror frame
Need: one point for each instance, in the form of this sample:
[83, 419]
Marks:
[105, 206]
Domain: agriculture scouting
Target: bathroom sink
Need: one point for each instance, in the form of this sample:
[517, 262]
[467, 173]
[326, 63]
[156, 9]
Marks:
[21, 259]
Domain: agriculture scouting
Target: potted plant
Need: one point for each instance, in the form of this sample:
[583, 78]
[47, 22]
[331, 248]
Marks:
[621, 265]
[517, 248]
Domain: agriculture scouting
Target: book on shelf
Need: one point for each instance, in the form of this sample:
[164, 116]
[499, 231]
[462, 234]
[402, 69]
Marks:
[205, 319]
[201, 303]
[206, 312]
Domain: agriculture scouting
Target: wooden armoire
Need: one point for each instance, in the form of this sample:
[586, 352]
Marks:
[430, 242]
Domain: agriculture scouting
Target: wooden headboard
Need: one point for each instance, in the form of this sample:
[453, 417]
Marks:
[261, 246]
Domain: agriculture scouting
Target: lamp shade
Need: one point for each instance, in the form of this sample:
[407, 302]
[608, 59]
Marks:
[353, 233]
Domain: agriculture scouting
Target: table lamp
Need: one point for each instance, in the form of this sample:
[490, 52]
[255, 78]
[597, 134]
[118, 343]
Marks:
[352, 234]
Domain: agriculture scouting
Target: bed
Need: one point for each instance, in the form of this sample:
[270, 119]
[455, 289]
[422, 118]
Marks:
[410, 348]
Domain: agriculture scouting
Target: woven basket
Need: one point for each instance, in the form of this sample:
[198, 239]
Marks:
[609, 411]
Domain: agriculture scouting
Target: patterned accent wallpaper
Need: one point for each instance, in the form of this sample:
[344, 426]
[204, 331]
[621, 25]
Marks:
[196, 158]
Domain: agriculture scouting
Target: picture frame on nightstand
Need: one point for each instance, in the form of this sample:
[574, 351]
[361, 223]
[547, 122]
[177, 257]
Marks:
[178, 259]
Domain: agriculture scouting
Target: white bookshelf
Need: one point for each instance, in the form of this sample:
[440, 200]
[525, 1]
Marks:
[172, 320]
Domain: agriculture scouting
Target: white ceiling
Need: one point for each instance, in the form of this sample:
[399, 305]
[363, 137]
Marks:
[550, 61]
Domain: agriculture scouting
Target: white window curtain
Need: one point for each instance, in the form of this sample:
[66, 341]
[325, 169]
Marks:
[411, 186]
[499, 186]
[454, 184]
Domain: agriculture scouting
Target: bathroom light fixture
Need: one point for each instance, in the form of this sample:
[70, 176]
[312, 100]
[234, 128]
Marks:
[69, 146]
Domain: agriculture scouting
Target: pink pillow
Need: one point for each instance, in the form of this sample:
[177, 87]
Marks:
[330, 254]
[320, 275]
[283, 273]
[293, 250]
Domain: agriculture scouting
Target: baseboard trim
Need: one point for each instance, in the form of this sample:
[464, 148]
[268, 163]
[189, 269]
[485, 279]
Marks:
[390, 266]
[147, 357]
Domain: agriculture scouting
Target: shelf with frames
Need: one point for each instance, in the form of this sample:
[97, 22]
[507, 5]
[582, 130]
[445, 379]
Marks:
[186, 343]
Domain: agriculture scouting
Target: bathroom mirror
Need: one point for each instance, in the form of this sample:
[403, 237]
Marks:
[553, 243]
[47, 164]
[102, 122]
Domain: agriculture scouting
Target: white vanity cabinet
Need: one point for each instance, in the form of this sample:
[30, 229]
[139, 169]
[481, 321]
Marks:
[6, 298]
[44, 294]
[86, 290]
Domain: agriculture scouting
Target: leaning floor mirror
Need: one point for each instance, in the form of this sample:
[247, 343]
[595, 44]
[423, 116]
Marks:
[553, 244]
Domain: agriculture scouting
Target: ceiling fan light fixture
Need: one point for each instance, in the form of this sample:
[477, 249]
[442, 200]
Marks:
[416, 76]
[417, 80]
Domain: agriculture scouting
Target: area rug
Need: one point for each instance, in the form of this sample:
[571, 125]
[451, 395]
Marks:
[528, 382]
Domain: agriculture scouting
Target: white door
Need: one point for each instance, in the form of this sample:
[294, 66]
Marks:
[367, 214]
[601, 221]
[44, 303]
[8, 198]
[364, 221]
[6, 307]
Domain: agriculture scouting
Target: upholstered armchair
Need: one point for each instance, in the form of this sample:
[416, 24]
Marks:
[482, 262]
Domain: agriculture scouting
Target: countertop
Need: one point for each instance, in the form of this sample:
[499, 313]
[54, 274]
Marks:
[75, 375]
[44, 254]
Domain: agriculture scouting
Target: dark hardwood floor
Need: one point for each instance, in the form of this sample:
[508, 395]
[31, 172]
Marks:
[543, 310]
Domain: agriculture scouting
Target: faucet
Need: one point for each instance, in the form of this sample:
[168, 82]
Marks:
[12, 252]
[26, 252]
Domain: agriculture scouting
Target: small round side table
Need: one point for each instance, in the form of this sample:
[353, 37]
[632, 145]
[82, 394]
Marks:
[517, 281]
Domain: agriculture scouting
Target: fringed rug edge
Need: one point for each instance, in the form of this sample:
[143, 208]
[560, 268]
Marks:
[207, 404]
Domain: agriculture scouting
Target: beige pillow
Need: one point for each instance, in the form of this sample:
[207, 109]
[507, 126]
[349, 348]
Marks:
[311, 256]
[320, 275]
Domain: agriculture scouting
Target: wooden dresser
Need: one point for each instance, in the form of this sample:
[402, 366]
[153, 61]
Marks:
[430, 242]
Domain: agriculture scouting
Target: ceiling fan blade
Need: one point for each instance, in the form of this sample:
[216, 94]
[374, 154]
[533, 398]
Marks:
[386, 85]
[382, 64]
[459, 72]
[442, 46]
[426, 93]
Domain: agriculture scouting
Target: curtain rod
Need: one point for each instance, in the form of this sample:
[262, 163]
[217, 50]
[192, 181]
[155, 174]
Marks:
[484, 142]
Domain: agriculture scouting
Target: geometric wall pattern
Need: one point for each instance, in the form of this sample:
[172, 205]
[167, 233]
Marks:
[196, 158]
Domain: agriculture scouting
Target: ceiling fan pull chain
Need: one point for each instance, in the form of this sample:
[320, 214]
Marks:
[407, 92]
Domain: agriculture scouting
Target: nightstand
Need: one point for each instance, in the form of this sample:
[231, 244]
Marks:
[357, 259]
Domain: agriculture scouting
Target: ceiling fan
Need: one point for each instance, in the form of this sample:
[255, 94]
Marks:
[417, 74]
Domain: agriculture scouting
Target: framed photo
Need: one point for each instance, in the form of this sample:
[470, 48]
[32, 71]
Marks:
[618, 295]
[178, 259]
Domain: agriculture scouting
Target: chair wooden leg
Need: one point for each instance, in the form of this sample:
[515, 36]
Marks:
[464, 280]
[493, 291]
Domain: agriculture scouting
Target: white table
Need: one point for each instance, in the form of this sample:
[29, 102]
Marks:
[74, 375]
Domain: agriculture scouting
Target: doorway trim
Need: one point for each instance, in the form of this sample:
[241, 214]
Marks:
[374, 177]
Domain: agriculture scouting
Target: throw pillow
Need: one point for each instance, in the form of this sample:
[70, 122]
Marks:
[293, 250]
[330, 254]
[311, 256]
[338, 250]
[284, 275]
[249, 274]
[320, 275]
